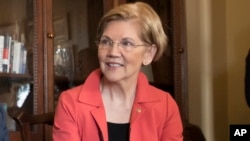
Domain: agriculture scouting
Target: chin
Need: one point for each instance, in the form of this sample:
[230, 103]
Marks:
[112, 78]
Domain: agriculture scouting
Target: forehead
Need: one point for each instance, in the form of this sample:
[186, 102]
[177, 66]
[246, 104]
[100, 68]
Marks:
[122, 29]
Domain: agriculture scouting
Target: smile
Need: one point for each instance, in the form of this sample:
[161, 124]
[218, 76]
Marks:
[114, 65]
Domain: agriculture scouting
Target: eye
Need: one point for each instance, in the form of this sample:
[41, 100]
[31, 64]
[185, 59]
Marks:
[105, 42]
[126, 44]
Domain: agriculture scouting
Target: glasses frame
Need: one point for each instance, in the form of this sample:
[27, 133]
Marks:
[119, 44]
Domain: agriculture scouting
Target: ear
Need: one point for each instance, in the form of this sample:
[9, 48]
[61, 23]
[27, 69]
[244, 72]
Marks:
[149, 55]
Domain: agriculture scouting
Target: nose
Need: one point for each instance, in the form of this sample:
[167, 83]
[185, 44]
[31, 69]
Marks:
[115, 46]
[115, 49]
[117, 43]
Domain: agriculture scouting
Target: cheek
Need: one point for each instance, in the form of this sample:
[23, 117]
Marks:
[101, 55]
[136, 59]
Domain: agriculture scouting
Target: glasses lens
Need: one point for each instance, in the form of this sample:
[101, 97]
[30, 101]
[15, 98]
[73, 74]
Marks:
[125, 45]
[104, 43]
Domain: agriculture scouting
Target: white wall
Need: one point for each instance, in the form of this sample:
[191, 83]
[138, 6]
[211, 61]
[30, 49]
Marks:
[217, 37]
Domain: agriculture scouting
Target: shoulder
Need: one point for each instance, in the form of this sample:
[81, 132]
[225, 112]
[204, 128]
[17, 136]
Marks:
[153, 92]
[68, 98]
[164, 96]
[90, 84]
[71, 93]
[86, 93]
[165, 102]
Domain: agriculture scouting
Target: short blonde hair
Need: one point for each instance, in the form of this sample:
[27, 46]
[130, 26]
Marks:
[148, 20]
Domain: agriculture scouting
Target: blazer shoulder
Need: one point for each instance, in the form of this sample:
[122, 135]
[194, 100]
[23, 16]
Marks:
[159, 91]
[71, 93]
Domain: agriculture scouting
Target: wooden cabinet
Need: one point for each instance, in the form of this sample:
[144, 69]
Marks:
[21, 60]
[58, 37]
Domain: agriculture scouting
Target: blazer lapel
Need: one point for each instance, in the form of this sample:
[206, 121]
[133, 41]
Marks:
[91, 95]
[144, 95]
[99, 116]
[137, 112]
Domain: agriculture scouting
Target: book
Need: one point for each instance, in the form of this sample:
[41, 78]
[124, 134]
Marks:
[1, 52]
[6, 53]
[24, 60]
[17, 47]
[23, 55]
[11, 56]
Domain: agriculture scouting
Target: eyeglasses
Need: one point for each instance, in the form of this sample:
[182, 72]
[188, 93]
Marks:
[124, 44]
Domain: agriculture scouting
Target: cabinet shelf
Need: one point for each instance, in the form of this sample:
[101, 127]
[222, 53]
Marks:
[15, 77]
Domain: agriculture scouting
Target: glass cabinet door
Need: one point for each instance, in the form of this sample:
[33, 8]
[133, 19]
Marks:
[75, 55]
[16, 59]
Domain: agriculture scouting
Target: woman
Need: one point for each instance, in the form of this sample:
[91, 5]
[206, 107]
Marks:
[116, 102]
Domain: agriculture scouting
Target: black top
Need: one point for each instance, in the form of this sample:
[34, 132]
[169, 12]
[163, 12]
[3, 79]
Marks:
[118, 131]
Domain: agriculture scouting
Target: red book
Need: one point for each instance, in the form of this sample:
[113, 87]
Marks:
[6, 53]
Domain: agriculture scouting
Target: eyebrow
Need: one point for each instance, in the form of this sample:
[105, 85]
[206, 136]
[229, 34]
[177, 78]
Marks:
[126, 38]
[104, 36]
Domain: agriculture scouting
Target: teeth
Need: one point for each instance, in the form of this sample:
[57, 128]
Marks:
[114, 65]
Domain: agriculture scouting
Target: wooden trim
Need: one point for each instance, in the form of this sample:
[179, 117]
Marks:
[48, 63]
[93, 21]
[107, 5]
[179, 52]
[48, 56]
[38, 58]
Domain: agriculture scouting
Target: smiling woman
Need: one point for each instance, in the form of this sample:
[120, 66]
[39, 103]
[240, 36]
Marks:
[119, 63]
[117, 99]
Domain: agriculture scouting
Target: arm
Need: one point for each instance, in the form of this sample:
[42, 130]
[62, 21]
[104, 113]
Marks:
[173, 129]
[65, 123]
[4, 134]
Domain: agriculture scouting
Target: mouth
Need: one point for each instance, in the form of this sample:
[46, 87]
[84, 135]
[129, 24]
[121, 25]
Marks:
[114, 65]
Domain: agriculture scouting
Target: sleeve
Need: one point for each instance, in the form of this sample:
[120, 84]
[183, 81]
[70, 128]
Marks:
[173, 128]
[4, 134]
[65, 124]
[247, 79]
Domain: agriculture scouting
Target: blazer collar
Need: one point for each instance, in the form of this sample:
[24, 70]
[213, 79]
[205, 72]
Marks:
[144, 92]
[90, 92]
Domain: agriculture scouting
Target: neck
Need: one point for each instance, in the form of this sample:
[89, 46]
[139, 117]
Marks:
[122, 92]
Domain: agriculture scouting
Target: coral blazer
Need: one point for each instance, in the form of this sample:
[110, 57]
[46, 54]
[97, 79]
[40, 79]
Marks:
[80, 114]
